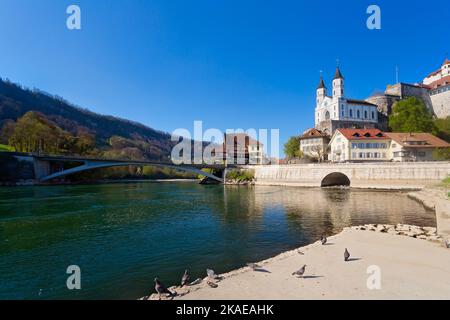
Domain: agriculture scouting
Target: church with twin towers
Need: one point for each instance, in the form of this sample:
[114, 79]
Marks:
[338, 111]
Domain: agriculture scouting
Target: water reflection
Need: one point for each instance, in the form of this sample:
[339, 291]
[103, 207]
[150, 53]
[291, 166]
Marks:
[122, 235]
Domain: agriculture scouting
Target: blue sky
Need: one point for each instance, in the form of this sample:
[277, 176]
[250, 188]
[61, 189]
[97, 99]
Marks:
[231, 64]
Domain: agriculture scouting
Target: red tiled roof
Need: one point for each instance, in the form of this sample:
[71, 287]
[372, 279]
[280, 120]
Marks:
[441, 82]
[433, 73]
[311, 133]
[446, 61]
[362, 134]
[427, 138]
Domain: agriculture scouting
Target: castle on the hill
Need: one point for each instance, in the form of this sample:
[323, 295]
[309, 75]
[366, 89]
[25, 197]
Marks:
[338, 111]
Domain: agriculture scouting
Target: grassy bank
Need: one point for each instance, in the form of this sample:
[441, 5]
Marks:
[4, 147]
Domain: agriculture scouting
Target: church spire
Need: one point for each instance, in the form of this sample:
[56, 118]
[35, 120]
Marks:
[321, 83]
[338, 74]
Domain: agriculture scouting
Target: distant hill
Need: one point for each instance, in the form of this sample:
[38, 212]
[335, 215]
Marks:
[113, 136]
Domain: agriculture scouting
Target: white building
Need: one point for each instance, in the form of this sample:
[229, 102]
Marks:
[314, 144]
[338, 111]
[359, 145]
[438, 83]
[371, 145]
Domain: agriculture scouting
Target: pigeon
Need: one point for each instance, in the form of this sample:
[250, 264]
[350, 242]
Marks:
[447, 244]
[253, 266]
[346, 255]
[185, 278]
[161, 289]
[212, 284]
[323, 240]
[299, 273]
[211, 274]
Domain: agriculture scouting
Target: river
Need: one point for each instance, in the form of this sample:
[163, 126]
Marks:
[123, 235]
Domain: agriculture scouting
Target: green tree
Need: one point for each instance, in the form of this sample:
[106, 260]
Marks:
[441, 154]
[411, 115]
[292, 148]
[443, 126]
[35, 133]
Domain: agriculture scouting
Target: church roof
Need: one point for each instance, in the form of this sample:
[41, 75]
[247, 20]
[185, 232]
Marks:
[321, 84]
[360, 102]
[338, 74]
[446, 62]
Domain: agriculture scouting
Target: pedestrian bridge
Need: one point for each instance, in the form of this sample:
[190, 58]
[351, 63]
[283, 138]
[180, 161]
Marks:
[365, 175]
[47, 168]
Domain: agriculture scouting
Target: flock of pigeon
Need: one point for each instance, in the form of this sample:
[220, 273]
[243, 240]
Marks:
[162, 290]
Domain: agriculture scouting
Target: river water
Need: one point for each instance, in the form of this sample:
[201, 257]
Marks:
[123, 235]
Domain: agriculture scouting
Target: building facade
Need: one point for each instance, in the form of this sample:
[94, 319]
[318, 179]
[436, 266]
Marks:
[406, 147]
[359, 145]
[438, 84]
[373, 145]
[240, 148]
[338, 111]
[314, 144]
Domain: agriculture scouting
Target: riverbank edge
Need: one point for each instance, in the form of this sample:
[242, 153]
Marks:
[428, 234]
[435, 198]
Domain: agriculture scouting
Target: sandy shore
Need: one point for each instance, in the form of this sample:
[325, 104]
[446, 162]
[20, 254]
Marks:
[410, 269]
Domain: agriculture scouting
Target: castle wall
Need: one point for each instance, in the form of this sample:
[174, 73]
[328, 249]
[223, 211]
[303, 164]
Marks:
[441, 104]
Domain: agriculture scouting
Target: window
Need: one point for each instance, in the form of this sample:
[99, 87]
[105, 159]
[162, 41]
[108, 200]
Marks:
[351, 113]
[368, 155]
[361, 155]
[354, 155]
[368, 145]
[354, 145]
[365, 114]
[358, 114]
[361, 145]
[373, 115]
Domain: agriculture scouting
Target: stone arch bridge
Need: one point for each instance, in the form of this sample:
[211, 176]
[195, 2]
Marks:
[364, 175]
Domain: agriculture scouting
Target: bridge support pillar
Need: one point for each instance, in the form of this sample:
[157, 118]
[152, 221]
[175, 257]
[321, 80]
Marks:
[41, 168]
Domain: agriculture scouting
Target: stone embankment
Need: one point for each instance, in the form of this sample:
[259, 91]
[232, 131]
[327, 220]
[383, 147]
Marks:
[435, 198]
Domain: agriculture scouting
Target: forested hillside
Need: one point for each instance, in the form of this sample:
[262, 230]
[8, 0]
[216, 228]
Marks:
[33, 120]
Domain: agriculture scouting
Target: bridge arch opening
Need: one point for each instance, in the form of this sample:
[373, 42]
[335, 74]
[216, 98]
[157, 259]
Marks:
[335, 179]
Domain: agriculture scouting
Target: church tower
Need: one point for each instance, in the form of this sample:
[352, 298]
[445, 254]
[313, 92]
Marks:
[321, 92]
[338, 84]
